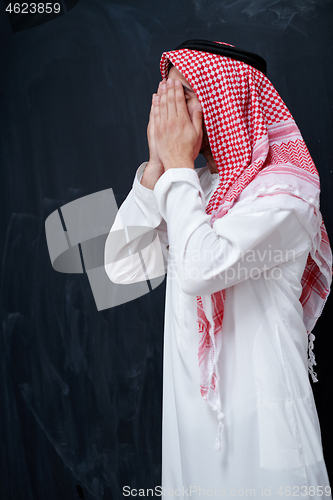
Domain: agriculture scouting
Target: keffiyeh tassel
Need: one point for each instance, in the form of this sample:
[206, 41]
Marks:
[311, 359]
[219, 435]
[210, 342]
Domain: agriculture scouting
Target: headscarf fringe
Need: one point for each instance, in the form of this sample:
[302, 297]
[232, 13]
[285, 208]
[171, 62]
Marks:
[311, 359]
[220, 430]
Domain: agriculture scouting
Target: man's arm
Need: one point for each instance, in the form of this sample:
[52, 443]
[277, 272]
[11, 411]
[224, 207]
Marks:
[240, 245]
[128, 257]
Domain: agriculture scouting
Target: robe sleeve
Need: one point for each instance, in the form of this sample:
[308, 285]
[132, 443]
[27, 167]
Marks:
[240, 245]
[136, 247]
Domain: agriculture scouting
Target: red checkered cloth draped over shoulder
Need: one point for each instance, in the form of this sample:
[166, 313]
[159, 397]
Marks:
[249, 129]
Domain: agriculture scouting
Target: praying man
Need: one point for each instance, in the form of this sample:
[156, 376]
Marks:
[249, 269]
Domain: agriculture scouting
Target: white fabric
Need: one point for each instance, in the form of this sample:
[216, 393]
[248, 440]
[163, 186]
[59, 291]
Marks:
[271, 430]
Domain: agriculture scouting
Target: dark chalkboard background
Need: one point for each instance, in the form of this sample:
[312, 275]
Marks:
[80, 389]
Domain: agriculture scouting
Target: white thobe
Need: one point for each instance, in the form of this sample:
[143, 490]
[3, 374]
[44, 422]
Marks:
[271, 440]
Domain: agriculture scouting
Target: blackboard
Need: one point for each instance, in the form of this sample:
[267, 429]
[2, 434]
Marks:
[80, 388]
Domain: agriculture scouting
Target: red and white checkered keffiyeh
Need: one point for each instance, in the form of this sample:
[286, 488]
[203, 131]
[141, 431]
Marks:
[249, 129]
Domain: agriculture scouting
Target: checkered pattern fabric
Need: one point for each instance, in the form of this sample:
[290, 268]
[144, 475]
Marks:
[249, 128]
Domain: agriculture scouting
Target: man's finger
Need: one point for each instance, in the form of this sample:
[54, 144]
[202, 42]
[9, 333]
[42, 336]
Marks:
[197, 119]
[163, 107]
[151, 114]
[181, 107]
[159, 85]
[156, 110]
[171, 102]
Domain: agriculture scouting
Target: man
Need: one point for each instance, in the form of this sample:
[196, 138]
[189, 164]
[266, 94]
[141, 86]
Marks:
[248, 272]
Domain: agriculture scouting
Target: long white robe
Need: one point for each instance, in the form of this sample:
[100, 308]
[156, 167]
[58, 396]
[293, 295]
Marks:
[271, 441]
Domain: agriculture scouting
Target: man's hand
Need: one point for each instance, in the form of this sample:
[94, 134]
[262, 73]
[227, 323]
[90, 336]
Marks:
[154, 168]
[177, 138]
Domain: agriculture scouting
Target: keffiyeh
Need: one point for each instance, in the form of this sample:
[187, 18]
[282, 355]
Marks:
[251, 134]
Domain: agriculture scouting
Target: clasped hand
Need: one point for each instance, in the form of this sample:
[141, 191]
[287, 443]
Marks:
[174, 137]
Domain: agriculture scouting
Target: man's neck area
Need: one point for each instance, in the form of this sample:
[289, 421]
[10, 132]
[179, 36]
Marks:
[207, 153]
[210, 161]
